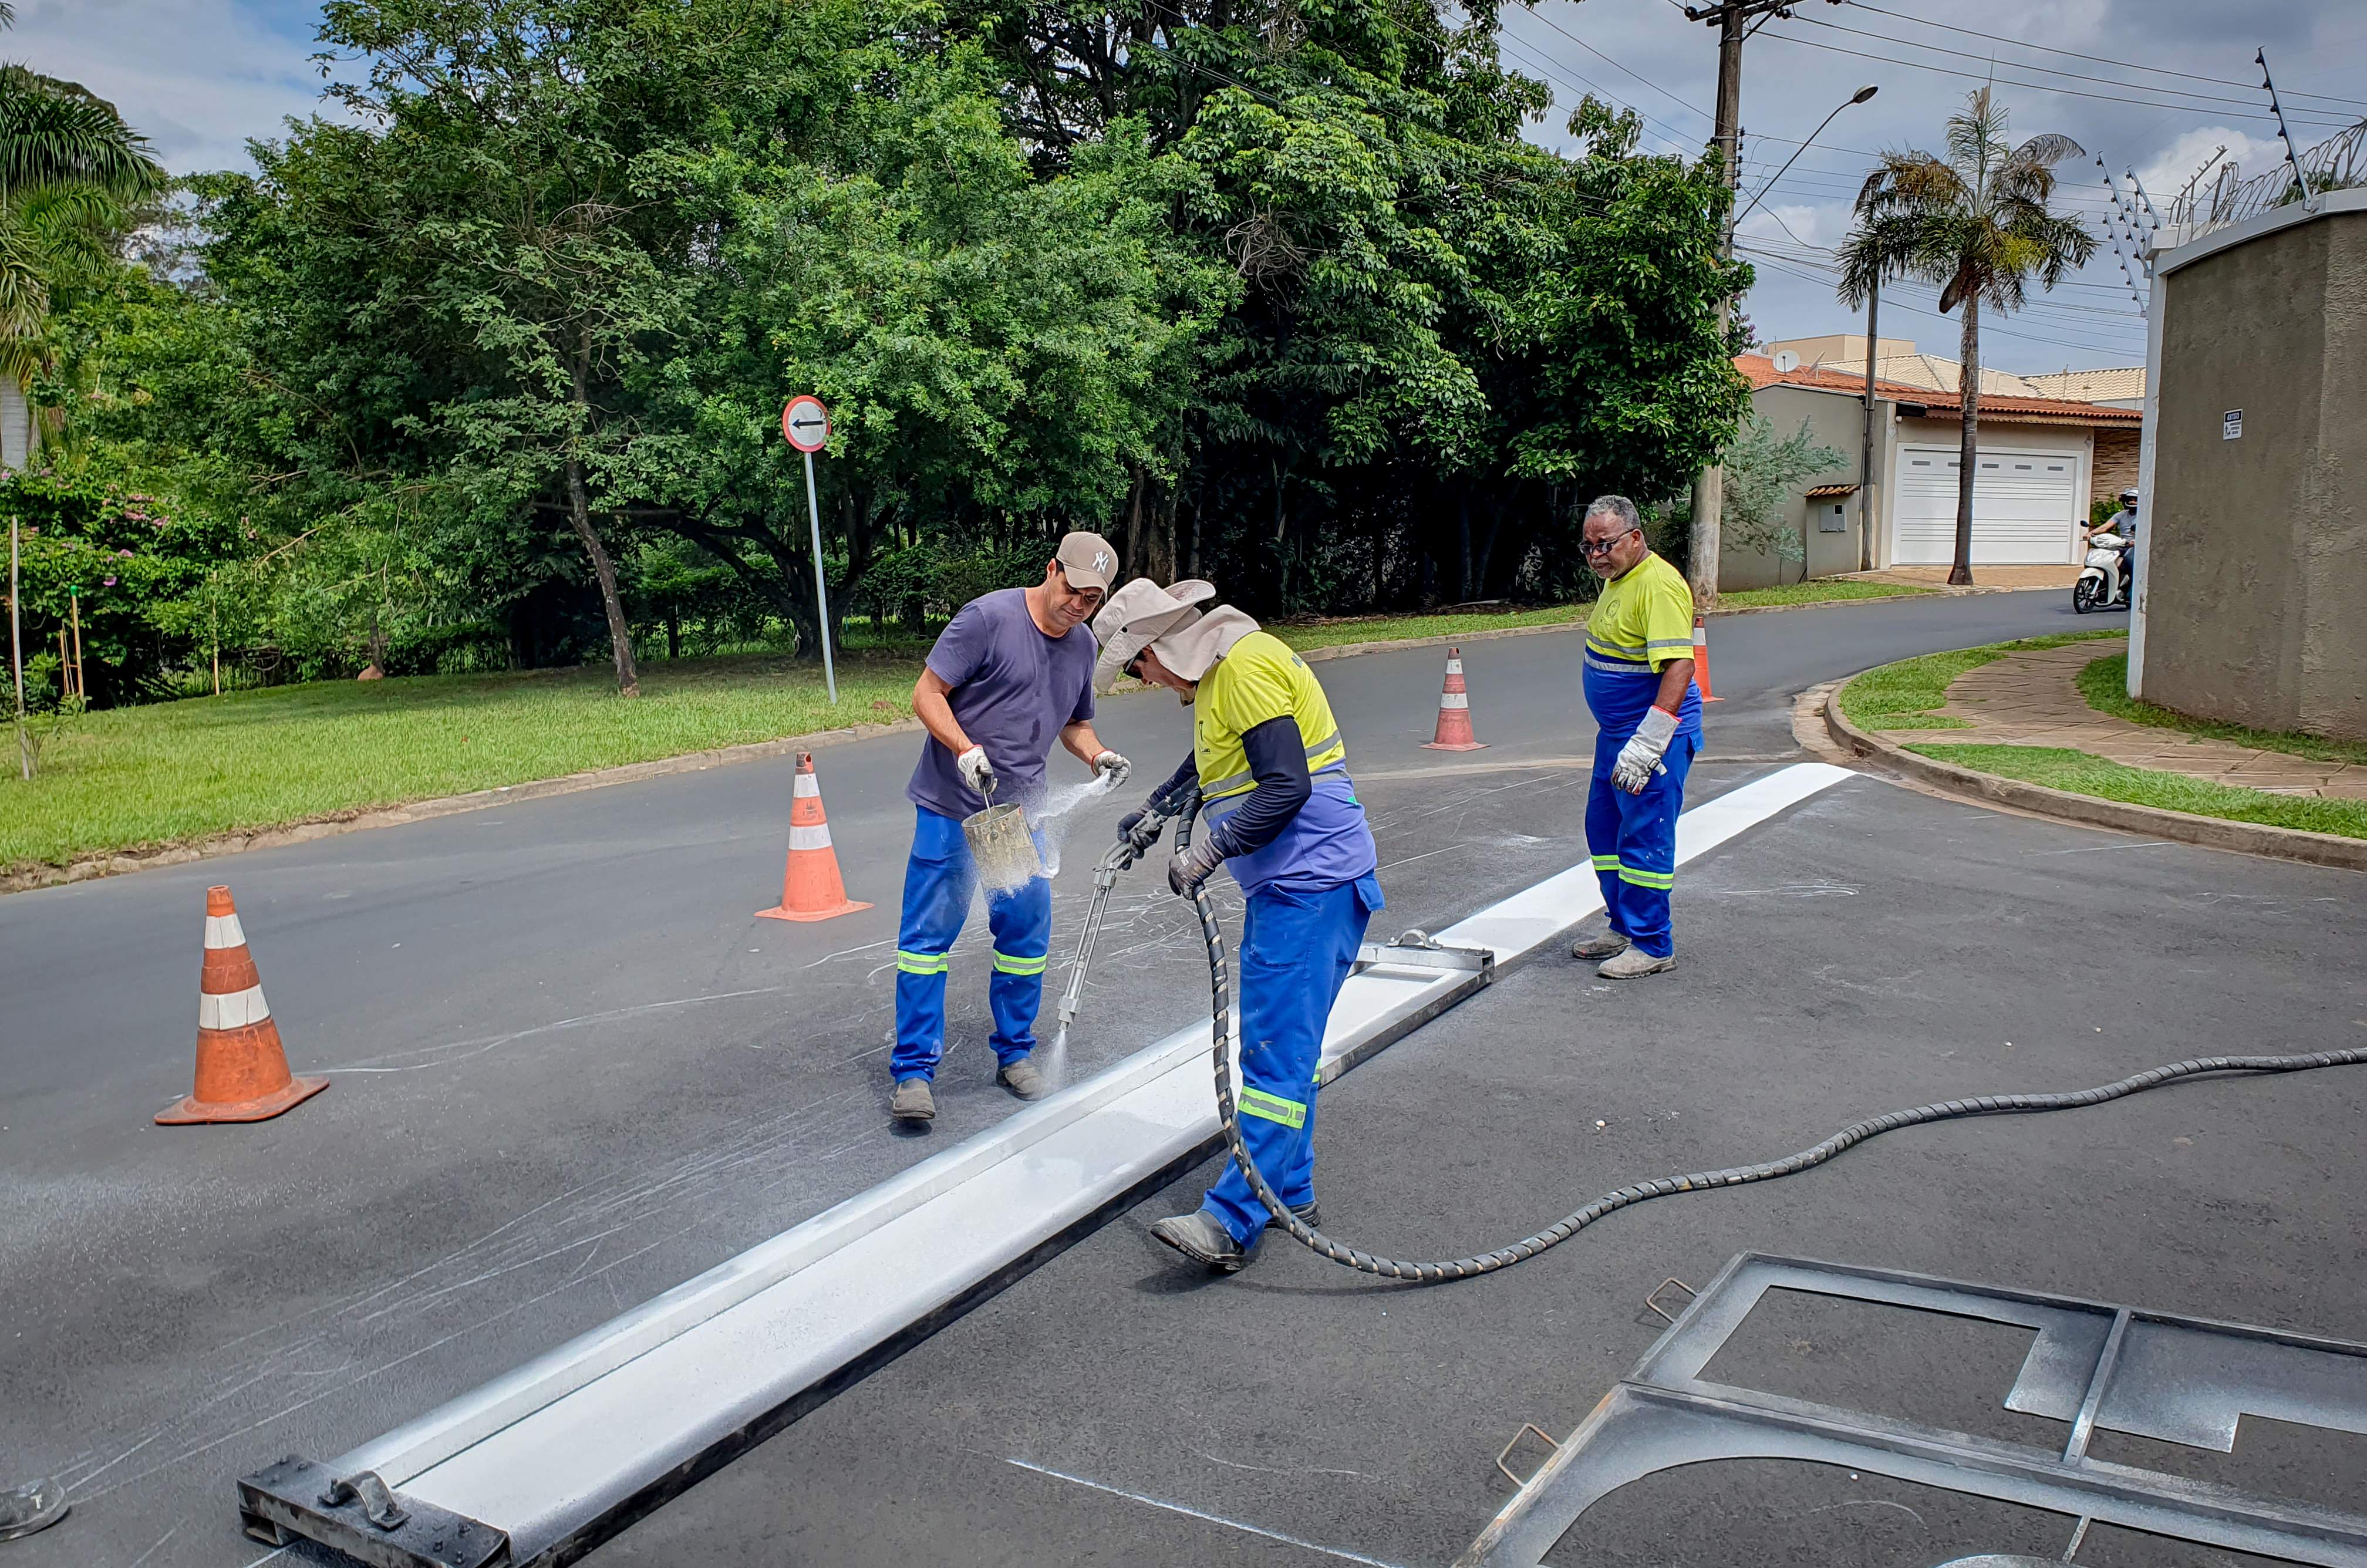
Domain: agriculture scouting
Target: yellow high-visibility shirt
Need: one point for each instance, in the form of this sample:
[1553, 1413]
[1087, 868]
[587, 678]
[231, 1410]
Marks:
[1259, 679]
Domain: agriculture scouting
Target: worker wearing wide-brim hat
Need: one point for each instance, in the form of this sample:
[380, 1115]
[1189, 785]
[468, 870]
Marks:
[1280, 811]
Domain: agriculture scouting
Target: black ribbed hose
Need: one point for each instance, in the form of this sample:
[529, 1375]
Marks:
[1553, 1235]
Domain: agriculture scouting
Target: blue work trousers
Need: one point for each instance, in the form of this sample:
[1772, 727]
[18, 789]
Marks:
[1296, 949]
[938, 881]
[1633, 841]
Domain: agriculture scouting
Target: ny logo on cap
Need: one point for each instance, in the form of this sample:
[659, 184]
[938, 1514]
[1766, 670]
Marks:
[1101, 560]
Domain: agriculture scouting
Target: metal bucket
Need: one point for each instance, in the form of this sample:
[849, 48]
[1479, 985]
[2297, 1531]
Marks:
[1002, 847]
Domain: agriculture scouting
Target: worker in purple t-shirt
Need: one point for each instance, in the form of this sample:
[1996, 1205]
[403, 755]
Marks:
[1013, 670]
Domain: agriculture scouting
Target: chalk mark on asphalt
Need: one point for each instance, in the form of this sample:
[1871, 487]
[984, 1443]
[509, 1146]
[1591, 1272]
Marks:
[1293, 1469]
[1344, 1556]
[471, 1049]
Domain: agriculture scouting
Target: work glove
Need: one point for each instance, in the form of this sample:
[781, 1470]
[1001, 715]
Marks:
[1188, 869]
[1643, 751]
[1139, 830]
[1113, 767]
[975, 770]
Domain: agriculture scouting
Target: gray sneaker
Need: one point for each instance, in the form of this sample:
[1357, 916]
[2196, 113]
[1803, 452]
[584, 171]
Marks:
[1606, 945]
[1023, 1078]
[912, 1101]
[1201, 1239]
[1633, 964]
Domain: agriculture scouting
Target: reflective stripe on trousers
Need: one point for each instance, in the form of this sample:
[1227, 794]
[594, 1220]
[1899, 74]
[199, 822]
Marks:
[1633, 841]
[938, 882]
[1296, 949]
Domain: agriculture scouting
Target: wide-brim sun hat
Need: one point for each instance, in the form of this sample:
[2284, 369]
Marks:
[1137, 614]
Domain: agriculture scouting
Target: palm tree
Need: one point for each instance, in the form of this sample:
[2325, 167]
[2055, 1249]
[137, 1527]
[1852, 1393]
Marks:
[72, 176]
[1976, 222]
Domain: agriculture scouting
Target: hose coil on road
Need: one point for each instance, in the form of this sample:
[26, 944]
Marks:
[1307, 1235]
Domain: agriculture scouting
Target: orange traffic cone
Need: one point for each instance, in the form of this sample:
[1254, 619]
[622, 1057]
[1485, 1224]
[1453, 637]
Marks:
[1454, 732]
[1701, 661]
[242, 1071]
[810, 888]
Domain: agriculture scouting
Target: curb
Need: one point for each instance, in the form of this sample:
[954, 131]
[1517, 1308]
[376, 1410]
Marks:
[207, 849]
[121, 863]
[2093, 811]
[1342, 650]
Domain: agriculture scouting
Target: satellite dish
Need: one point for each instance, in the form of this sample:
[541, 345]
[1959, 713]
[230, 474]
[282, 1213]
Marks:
[1787, 361]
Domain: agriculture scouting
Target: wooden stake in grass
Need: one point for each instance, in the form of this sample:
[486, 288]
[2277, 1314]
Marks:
[73, 614]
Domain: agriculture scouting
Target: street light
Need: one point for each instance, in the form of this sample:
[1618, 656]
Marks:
[1861, 95]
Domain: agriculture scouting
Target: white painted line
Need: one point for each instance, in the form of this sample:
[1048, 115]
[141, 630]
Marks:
[551, 1450]
[1342, 1555]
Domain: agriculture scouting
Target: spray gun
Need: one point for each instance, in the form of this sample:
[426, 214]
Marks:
[1120, 856]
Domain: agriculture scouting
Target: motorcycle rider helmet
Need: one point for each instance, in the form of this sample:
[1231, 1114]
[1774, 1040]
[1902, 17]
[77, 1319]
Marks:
[2129, 499]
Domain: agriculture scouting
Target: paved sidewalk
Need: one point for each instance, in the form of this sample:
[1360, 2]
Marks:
[1983, 577]
[2033, 700]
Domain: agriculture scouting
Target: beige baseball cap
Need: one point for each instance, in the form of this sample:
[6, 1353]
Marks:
[1087, 561]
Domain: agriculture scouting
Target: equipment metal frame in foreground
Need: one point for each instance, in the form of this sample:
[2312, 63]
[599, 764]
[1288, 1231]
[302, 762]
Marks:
[2097, 1366]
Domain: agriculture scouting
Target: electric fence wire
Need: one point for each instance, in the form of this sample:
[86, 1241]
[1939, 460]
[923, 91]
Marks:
[1553, 1235]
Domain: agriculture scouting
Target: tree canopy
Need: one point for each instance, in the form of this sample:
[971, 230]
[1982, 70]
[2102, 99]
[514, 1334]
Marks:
[1276, 293]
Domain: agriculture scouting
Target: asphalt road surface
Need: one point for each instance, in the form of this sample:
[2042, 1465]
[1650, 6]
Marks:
[570, 1070]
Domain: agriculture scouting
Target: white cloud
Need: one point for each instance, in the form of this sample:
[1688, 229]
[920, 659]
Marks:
[198, 77]
[1822, 224]
[2175, 165]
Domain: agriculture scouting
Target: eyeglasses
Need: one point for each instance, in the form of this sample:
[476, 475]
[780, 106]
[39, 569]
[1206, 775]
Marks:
[1602, 547]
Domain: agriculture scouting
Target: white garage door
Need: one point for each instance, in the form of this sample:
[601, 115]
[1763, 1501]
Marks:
[2025, 508]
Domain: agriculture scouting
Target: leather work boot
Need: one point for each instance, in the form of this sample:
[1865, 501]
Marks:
[1023, 1078]
[1633, 964]
[1605, 945]
[1311, 1214]
[912, 1101]
[1200, 1238]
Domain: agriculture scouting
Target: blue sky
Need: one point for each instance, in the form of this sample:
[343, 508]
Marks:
[2152, 85]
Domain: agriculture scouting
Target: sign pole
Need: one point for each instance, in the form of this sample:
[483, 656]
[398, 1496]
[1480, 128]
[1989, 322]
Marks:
[821, 594]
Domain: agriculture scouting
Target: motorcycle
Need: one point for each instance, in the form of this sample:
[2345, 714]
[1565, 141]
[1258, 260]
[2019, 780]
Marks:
[2103, 584]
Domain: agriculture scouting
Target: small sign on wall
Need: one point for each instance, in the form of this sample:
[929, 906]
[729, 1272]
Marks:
[2231, 424]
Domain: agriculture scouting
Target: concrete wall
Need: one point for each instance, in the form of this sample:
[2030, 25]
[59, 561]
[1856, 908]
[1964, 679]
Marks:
[1835, 420]
[2257, 548]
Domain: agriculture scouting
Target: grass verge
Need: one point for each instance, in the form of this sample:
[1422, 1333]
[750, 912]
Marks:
[130, 778]
[2105, 684]
[1817, 592]
[1903, 696]
[2059, 767]
[1306, 635]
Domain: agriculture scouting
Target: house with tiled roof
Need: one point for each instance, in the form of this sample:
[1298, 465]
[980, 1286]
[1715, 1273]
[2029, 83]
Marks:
[2043, 458]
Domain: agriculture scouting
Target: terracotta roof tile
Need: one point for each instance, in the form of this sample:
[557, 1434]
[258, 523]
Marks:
[1760, 371]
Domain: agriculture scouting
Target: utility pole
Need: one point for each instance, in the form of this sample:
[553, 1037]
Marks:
[1735, 20]
[1865, 454]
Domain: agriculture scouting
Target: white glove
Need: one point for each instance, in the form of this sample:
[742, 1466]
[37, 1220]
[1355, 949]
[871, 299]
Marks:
[975, 770]
[1113, 767]
[1643, 751]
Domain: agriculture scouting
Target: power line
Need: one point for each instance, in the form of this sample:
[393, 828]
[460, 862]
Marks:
[1589, 48]
[1535, 56]
[1792, 265]
[2019, 65]
[2037, 86]
[2098, 58]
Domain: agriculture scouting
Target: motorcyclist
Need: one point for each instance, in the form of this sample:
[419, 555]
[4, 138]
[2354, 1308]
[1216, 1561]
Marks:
[2123, 523]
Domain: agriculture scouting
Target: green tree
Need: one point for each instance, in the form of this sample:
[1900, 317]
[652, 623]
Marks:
[1763, 469]
[1976, 221]
[73, 176]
